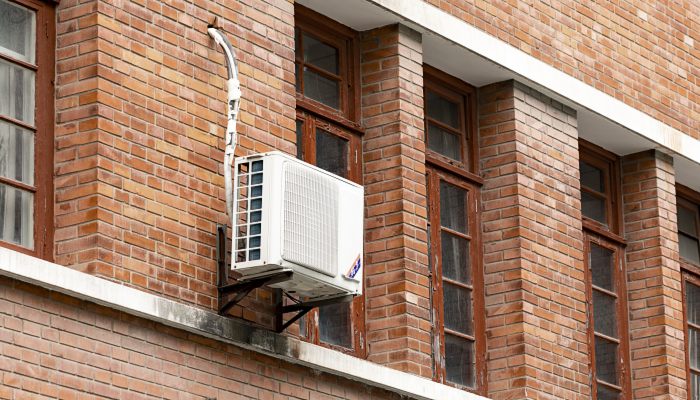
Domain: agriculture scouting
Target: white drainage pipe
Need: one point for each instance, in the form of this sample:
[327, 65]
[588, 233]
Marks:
[234, 99]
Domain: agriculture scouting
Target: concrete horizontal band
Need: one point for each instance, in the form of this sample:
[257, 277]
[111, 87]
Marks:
[206, 323]
[542, 75]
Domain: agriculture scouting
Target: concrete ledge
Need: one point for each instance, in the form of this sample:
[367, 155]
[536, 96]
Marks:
[206, 323]
[543, 76]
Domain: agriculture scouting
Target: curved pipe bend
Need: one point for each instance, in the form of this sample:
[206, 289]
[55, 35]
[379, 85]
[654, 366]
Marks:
[234, 98]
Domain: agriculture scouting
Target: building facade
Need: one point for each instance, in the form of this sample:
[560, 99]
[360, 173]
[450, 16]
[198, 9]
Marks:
[532, 197]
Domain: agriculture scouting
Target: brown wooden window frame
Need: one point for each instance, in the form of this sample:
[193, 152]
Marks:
[465, 176]
[690, 199]
[620, 293]
[346, 41]
[465, 96]
[690, 273]
[608, 236]
[342, 123]
[42, 189]
[689, 269]
[608, 163]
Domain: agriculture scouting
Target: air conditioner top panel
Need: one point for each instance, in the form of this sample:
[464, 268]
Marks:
[296, 160]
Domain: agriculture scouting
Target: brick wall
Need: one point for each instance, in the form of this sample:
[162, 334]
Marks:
[53, 346]
[139, 136]
[533, 246]
[397, 277]
[654, 277]
[644, 53]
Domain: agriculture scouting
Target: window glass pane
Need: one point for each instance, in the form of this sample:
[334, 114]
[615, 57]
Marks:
[443, 110]
[444, 142]
[321, 89]
[331, 153]
[457, 305]
[602, 267]
[692, 298]
[16, 216]
[694, 386]
[16, 153]
[459, 361]
[334, 324]
[297, 77]
[593, 207]
[17, 92]
[320, 54]
[605, 360]
[693, 344]
[453, 207]
[605, 393]
[686, 221]
[689, 248]
[604, 314]
[455, 258]
[17, 31]
[591, 177]
[300, 140]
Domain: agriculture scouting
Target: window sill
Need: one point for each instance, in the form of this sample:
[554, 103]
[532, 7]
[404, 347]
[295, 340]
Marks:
[62, 279]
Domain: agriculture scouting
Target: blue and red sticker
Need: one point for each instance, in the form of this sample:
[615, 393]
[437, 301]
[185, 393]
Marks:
[354, 269]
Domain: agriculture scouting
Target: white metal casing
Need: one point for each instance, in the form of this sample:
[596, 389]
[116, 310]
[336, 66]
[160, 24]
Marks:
[292, 216]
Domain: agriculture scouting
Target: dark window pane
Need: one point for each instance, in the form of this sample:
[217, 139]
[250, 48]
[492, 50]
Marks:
[320, 54]
[605, 360]
[17, 92]
[297, 77]
[334, 324]
[694, 386]
[591, 177]
[302, 327]
[604, 314]
[593, 207]
[331, 153]
[602, 267]
[457, 305]
[693, 347]
[686, 221]
[17, 27]
[300, 140]
[16, 153]
[16, 216]
[689, 248]
[453, 207]
[605, 393]
[692, 298]
[459, 361]
[455, 258]
[444, 142]
[321, 89]
[443, 110]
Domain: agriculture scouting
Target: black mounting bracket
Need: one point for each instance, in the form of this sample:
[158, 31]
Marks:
[231, 294]
[305, 307]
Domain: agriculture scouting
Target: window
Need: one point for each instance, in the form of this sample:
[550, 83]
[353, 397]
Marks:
[449, 122]
[26, 71]
[599, 193]
[328, 136]
[326, 66]
[688, 206]
[458, 294]
[691, 297]
[605, 273]
[689, 225]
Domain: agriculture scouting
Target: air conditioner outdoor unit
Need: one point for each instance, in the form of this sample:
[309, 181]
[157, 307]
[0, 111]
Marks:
[292, 216]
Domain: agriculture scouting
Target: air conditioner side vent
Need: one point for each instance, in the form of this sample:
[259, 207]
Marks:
[248, 208]
[310, 219]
